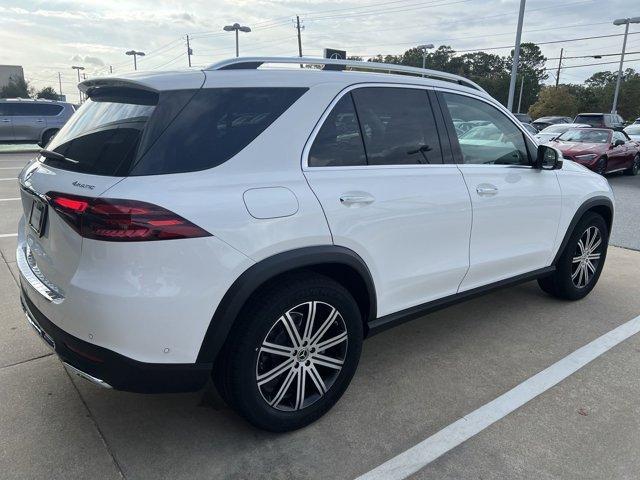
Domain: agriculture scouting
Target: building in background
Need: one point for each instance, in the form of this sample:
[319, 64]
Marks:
[10, 71]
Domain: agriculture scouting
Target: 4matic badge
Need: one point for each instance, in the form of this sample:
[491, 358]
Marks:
[83, 185]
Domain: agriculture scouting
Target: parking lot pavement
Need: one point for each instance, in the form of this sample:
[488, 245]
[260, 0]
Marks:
[412, 381]
[586, 427]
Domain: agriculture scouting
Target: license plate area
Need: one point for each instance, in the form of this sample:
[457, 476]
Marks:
[38, 216]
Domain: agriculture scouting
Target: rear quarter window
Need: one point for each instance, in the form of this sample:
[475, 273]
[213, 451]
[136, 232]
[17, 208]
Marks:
[214, 126]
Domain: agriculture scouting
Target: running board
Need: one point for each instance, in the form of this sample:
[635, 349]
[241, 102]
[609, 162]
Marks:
[383, 323]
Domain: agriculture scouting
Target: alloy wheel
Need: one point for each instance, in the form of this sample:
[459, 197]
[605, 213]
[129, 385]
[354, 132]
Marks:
[301, 356]
[586, 257]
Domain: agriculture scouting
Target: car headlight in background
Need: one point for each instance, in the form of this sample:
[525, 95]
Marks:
[586, 158]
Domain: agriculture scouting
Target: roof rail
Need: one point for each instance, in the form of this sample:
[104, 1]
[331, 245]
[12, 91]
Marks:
[250, 63]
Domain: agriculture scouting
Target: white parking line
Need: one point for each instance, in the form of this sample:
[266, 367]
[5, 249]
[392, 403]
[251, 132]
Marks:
[8, 179]
[9, 199]
[7, 235]
[425, 452]
[11, 168]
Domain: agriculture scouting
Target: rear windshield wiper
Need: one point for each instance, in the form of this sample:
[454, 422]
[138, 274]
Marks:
[56, 156]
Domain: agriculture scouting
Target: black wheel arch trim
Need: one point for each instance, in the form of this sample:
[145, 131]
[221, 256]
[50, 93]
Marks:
[599, 201]
[260, 273]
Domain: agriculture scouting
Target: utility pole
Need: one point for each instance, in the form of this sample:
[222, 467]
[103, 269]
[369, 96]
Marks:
[559, 67]
[189, 51]
[516, 57]
[60, 83]
[625, 22]
[299, 38]
[77, 69]
[110, 68]
[520, 98]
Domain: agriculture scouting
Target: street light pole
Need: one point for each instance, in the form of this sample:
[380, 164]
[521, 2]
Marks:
[135, 56]
[77, 69]
[237, 28]
[626, 22]
[424, 49]
[516, 57]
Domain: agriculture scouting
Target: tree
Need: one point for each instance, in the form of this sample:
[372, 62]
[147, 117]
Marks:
[554, 101]
[48, 93]
[16, 88]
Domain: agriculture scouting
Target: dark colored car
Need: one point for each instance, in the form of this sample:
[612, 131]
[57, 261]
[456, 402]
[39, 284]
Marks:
[600, 149]
[523, 117]
[601, 120]
[544, 122]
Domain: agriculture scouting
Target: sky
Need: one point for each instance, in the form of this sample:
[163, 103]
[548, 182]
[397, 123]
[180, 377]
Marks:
[47, 37]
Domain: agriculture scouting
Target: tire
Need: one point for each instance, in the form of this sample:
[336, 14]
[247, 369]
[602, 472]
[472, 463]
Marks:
[46, 137]
[568, 282]
[601, 166]
[263, 367]
[635, 167]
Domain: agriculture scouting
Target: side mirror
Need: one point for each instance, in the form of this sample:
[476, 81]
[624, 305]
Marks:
[548, 158]
[618, 142]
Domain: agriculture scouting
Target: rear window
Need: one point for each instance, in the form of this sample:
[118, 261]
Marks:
[592, 120]
[102, 138]
[33, 109]
[121, 132]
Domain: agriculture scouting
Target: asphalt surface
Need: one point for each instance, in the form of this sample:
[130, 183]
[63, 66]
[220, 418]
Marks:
[412, 381]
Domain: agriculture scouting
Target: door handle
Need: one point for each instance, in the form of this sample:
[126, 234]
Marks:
[5, 120]
[40, 120]
[486, 189]
[348, 199]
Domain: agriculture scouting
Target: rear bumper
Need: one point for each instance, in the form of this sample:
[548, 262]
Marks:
[108, 369]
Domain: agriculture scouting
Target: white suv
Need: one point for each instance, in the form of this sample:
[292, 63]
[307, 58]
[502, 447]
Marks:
[256, 224]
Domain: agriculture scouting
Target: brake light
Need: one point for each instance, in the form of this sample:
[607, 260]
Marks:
[118, 220]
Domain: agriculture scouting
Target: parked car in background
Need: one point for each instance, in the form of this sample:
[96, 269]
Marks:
[601, 120]
[600, 149]
[633, 131]
[25, 120]
[637, 120]
[544, 122]
[552, 131]
[523, 117]
[530, 128]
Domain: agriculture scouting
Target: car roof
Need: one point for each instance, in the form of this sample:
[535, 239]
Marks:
[292, 76]
[33, 100]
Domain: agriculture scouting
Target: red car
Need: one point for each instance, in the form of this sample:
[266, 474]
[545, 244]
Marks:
[600, 149]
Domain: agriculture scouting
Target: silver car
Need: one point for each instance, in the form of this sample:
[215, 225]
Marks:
[32, 121]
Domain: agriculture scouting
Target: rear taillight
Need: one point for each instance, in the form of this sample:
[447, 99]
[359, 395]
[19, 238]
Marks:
[121, 220]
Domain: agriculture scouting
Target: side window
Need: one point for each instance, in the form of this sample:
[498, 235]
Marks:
[486, 135]
[35, 109]
[619, 136]
[339, 142]
[398, 126]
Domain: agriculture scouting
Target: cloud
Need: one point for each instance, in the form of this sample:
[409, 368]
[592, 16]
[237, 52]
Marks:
[98, 62]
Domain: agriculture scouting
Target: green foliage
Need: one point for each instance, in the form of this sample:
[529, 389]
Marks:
[555, 101]
[48, 93]
[492, 72]
[17, 88]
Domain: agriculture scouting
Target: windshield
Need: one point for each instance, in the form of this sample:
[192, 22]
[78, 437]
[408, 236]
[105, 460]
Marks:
[585, 136]
[555, 129]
